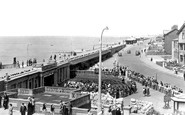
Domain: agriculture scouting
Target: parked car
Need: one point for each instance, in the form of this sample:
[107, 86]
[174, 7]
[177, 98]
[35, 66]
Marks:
[137, 53]
[119, 54]
[128, 52]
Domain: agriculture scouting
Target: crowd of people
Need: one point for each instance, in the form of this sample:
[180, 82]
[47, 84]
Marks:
[30, 109]
[122, 89]
[152, 82]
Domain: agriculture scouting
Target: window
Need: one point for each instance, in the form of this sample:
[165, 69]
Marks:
[182, 35]
[181, 58]
[13, 86]
[181, 46]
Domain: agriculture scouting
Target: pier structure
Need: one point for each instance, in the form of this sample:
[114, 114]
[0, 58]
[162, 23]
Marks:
[54, 73]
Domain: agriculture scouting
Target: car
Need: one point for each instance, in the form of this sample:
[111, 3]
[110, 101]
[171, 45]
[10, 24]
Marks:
[128, 52]
[137, 53]
[119, 54]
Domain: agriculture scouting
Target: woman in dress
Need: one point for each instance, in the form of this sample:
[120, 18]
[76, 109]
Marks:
[11, 110]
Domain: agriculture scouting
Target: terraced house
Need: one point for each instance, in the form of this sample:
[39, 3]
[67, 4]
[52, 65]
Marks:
[181, 34]
[168, 38]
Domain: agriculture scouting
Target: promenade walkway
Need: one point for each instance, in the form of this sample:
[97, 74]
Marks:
[15, 112]
[156, 97]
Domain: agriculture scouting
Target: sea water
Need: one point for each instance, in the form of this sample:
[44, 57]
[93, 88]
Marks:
[42, 47]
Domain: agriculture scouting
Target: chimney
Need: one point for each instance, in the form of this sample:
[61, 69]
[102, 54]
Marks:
[174, 27]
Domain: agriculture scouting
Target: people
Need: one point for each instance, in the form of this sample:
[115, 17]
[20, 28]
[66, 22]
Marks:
[30, 107]
[61, 107]
[44, 108]
[109, 111]
[118, 111]
[147, 91]
[52, 109]
[11, 110]
[33, 104]
[144, 91]
[6, 101]
[23, 109]
[89, 112]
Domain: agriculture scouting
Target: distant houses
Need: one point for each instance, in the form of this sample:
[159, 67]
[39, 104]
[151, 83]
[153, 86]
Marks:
[131, 40]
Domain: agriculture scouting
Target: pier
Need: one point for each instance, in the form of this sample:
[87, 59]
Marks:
[54, 73]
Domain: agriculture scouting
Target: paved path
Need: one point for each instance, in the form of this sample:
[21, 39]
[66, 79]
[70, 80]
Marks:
[15, 112]
[156, 98]
[146, 67]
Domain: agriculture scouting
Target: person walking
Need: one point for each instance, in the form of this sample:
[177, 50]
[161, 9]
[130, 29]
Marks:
[61, 108]
[144, 91]
[118, 111]
[6, 101]
[89, 112]
[23, 109]
[44, 108]
[52, 109]
[33, 104]
[11, 110]
[30, 107]
[148, 91]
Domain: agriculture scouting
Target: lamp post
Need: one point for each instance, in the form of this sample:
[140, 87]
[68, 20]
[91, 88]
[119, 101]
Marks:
[100, 63]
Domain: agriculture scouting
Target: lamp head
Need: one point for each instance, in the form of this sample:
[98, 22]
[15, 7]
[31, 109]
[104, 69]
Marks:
[106, 28]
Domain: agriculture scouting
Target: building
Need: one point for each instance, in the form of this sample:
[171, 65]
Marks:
[168, 38]
[53, 73]
[131, 40]
[175, 50]
[181, 45]
[178, 103]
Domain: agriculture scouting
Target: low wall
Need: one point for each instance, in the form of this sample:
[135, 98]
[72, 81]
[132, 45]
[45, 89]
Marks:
[60, 90]
[38, 105]
[82, 111]
[23, 91]
[38, 90]
[7, 66]
[159, 63]
[81, 101]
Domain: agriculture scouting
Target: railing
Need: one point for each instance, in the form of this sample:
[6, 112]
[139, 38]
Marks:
[38, 90]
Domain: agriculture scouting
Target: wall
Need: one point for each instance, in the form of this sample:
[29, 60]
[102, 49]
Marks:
[83, 101]
[2, 85]
[168, 41]
[181, 41]
[38, 105]
[38, 90]
[7, 66]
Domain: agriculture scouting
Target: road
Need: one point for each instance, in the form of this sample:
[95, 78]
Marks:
[148, 68]
[145, 67]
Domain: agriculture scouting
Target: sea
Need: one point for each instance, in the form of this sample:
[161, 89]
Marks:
[42, 47]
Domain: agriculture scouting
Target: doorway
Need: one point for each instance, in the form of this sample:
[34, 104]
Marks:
[49, 80]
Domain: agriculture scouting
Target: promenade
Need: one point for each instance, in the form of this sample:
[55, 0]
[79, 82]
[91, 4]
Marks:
[145, 66]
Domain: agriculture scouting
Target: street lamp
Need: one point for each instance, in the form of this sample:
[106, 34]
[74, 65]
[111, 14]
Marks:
[100, 62]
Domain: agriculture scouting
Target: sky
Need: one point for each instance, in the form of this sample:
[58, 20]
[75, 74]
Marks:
[89, 17]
